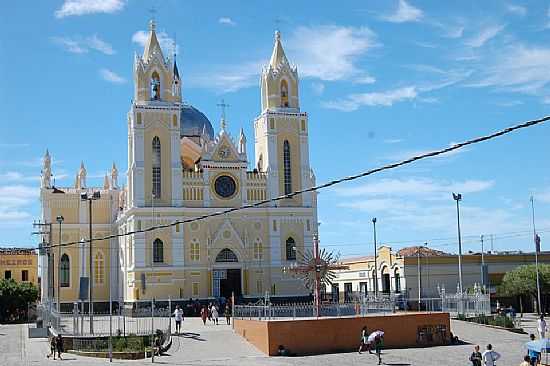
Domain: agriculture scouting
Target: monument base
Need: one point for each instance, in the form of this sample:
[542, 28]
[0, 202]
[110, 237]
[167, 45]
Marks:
[333, 335]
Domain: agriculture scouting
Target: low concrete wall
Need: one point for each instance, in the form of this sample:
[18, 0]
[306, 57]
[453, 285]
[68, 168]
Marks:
[330, 335]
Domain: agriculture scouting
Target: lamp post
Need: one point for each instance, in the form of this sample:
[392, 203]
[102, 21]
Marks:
[458, 197]
[85, 197]
[537, 249]
[59, 220]
[419, 277]
[375, 260]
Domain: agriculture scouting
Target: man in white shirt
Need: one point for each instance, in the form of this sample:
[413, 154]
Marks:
[541, 327]
[490, 357]
[178, 316]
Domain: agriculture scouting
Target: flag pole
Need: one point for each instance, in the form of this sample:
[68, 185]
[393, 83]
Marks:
[537, 249]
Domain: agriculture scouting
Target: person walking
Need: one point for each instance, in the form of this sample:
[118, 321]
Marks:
[215, 314]
[531, 353]
[475, 357]
[52, 348]
[59, 345]
[490, 357]
[526, 361]
[378, 343]
[210, 311]
[178, 316]
[227, 314]
[363, 340]
[204, 314]
[541, 326]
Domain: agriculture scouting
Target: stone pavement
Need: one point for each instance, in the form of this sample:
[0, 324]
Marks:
[218, 345]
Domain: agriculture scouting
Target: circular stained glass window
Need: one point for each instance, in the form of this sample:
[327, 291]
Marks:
[225, 186]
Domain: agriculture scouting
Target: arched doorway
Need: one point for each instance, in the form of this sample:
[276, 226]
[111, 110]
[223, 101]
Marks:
[226, 276]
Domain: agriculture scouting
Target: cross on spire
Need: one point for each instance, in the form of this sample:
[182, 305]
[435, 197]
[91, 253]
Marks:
[223, 106]
[152, 11]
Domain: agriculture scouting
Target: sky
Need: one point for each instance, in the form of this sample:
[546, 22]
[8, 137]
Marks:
[380, 80]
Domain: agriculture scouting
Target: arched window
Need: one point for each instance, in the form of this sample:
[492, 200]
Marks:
[397, 279]
[290, 249]
[284, 93]
[286, 166]
[195, 250]
[226, 255]
[64, 271]
[258, 250]
[99, 270]
[155, 86]
[158, 251]
[155, 163]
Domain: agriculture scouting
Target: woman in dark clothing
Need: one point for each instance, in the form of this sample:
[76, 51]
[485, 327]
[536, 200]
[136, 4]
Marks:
[476, 357]
[59, 345]
[52, 348]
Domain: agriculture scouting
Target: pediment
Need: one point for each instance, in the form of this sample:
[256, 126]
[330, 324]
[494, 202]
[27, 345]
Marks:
[227, 233]
[224, 149]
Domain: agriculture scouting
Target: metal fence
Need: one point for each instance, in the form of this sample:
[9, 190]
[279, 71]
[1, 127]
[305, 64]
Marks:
[121, 322]
[307, 310]
[466, 304]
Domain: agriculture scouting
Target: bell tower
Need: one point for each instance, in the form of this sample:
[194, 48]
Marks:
[154, 173]
[281, 131]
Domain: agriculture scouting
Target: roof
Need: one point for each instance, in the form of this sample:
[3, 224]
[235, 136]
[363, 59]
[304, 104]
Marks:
[424, 251]
[278, 56]
[359, 259]
[15, 251]
[193, 122]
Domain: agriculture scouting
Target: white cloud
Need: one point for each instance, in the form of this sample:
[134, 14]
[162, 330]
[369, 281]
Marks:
[326, 53]
[111, 76]
[517, 68]
[318, 88]
[484, 35]
[392, 141]
[416, 187]
[165, 41]
[226, 80]
[405, 12]
[83, 7]
[14, 200]
[12, 176]
[84, 44]
[330, 52]
[226, 21]
[516, 9]
[386, 98]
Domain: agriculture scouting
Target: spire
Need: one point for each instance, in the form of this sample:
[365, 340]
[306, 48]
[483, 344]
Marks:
[152, 44]
[242, 143]
[46, 170]
[82, 176]
[114, 176]
[106, 183]
[278, 56]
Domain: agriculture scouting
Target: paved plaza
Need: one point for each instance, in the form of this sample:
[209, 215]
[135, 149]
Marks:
[218, 345]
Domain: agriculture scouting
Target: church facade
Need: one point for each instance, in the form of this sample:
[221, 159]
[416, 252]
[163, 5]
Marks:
[179, 169]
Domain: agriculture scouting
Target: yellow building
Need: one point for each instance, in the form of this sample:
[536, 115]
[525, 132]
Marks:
[19, 264]
[178, 169]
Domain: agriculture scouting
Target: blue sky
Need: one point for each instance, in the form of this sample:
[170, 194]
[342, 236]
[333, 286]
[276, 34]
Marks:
[381, 80]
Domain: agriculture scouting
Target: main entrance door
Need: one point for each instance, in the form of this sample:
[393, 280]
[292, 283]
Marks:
[232, 283]
[227, 281]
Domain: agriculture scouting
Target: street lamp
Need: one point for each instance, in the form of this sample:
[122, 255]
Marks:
[85, 197]
[458, 197]
[375, 261]
[59, 220]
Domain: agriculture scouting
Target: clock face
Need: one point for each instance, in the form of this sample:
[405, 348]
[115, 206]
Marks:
[225, 186]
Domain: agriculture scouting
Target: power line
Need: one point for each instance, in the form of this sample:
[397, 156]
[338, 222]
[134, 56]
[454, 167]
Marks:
[382, 168]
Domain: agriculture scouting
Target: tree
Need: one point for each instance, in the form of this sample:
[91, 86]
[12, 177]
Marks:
[15, 298]
[523, 281]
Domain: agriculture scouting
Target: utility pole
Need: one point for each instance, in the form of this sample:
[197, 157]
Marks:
[482, 264]
[537, 248]
[59, 220]
[375, 260]
[458, 197]
[45, 228]
[90, 198]
[419, 277]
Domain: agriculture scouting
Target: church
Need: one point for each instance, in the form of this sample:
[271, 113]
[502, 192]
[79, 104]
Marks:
[179, 169]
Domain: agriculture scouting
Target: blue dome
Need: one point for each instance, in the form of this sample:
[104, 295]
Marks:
[193, 122]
